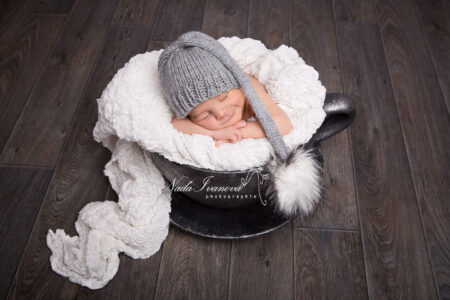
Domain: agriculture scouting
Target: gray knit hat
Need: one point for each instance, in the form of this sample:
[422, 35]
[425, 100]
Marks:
[196, 67]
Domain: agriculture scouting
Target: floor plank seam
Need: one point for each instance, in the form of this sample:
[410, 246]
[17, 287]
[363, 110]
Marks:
[229, 271]
[118, 25]
[430, 54]
[160, 267]
[326, 229]
[203, 15]
[293, 259]
[29, 237]
[352, 157]
[25, 166]
[248, 17]
[155, 21]
[37, 14]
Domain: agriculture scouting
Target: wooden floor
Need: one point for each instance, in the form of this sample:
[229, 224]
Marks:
[382, 231]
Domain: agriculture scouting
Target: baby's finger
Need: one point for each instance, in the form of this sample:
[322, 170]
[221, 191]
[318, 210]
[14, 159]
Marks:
[241, 123]
[220, 142]
[238, 135]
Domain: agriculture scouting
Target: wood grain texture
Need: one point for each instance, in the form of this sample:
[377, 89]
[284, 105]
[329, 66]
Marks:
[135, 278]
[329, 265]
[425, 123]
[12, 14]
[355, 11]
[21, 66]
[261, 267]
[40, 131]
[435, 23]
[397, 262]
[174, 17]
[268, 21]
[53, 6]
[312, 34]
[135, 13]
[21, 193]
[226, 18]
[193, 267]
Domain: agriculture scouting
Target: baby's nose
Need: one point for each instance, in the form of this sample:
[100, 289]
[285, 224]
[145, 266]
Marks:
[221, 112]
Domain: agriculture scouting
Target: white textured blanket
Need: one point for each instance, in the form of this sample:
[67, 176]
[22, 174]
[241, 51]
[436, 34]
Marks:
[134, 119]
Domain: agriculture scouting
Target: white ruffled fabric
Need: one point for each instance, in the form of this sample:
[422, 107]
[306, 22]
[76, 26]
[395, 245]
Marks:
[134, 120]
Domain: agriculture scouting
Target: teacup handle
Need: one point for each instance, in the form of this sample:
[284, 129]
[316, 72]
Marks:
[340, 113]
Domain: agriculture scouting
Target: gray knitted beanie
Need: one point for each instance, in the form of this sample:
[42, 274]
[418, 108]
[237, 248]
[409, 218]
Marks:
[196, 67]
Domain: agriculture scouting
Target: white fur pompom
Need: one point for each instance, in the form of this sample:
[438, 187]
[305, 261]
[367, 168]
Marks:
[297, 184]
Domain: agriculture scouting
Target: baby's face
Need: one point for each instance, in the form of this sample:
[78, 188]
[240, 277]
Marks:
[222, 111]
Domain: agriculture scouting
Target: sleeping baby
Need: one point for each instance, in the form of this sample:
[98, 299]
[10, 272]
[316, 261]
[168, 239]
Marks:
[209, 94]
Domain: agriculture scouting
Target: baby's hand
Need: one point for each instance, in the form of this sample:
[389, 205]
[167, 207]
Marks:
[231, 134]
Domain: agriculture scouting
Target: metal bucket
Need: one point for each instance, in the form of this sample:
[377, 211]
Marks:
[235, 189]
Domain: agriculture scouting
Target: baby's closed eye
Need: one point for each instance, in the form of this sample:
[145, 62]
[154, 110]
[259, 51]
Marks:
[204, 116]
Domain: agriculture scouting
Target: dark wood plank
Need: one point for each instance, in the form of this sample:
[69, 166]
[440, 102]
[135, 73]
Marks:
[397, 262]
[354, 11]
[21, 193]
[193, 267]
[312, 34]
[425, 123]
[40, 132]
[436, 26]
[262, 267]
[226, 18]
[53, 6]
[175, 17]
[133, 13]
[135, 278]
[269, 22]
[21, 65]
[329, 264]
[12, 14]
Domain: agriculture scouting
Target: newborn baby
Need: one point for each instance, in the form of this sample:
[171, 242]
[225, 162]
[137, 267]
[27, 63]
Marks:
[210, 94]
[224, 117]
